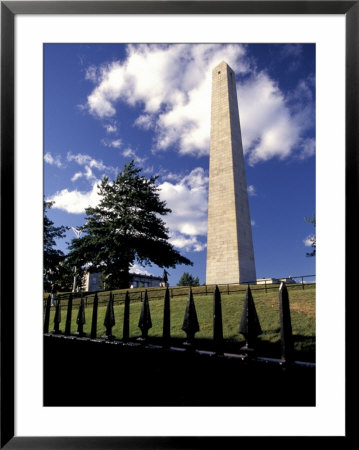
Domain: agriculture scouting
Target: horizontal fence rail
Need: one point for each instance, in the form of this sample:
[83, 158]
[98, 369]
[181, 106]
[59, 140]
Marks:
[157, 293]
[70, 306]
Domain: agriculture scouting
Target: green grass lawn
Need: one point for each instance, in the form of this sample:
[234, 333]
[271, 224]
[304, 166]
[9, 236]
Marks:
[302, 304]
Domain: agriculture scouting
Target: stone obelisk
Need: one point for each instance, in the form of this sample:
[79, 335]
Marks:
[230, 255]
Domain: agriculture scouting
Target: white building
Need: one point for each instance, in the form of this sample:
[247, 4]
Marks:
[139, 280]
[92, 281]
[275, 280]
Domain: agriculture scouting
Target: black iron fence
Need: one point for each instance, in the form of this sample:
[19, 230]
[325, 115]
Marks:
[250, 326]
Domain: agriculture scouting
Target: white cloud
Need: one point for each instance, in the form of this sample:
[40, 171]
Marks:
[166, 175]
[307, 149]
[145, 121]
[88, 174]
[268, 128]
[187, 243]
[75, 201]
[188, 200]
[116, 143]
[176, 95]
[251, 190]
[83, 159]
[91, 74]
[76, 176]
[111, 81]
[172, 86]
[308, 241]
[135, 268]
[110, 128]
[90, 163]
[53, 161]
[129, 153]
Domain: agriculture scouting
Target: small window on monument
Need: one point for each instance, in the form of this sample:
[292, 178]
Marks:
[219, 72]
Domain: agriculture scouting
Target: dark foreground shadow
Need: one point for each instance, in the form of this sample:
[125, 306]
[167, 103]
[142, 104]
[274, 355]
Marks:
[263, 347]
[80, 372]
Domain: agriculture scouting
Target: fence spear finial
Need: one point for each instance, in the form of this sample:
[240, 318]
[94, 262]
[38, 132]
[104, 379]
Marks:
[145, 322]
[109, 321]
[285, 325]
[190, 323]
[249, 326]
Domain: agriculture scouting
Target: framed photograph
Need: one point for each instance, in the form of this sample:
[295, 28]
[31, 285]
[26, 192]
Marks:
[66, 66]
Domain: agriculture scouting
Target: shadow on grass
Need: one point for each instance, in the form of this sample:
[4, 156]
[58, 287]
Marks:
[304, 349]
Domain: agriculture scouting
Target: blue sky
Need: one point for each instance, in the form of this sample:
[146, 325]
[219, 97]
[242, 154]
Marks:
[105, 104]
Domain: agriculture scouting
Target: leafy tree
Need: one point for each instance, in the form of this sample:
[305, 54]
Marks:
[124, 227]
[312, 239]
[188, 280]
[65, 276]
[52, 256]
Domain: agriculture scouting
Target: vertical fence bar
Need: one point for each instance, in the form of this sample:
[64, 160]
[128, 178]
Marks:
[303, 283]
[166, 320]
[265, 286]
[126, 319]
[217, 322]
[285, 325]
[145, 322]
[81, 318]
[249, 326]
[68, 316]
[190, 323]
[57, 318]
[109, 321]
[93, 334]
[47, 314]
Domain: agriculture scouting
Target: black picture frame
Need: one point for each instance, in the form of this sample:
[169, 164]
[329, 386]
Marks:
[9, 9]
